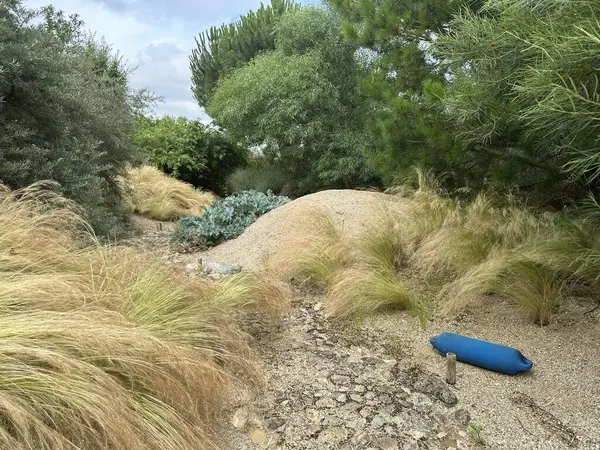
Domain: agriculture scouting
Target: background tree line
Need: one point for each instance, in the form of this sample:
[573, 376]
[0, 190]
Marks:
[496, 93]
[484, 93]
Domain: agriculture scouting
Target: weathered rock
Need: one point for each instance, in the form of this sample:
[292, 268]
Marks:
[326, 403]
[318, 307]
[386, 443]
[378, 421]
[417, 434]
[274, 423]
[462, 416]
[333, 435]
[342, 398]
[356, 397]
[435, 387]
[258, 436]
[217, 268]
[340, 379]
[240, 417]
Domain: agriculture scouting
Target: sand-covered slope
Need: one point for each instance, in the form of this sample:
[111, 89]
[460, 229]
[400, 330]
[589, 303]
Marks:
[353, 210]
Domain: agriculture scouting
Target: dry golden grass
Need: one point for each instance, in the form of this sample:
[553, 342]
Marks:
[151, 193]
[358, 292]
[485, 246]
[102, 347]
[316, 252]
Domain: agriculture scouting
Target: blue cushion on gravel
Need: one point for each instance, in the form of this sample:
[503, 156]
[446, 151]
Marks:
[482, 354]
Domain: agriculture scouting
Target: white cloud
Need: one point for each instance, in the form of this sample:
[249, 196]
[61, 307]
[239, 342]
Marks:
[156, 37]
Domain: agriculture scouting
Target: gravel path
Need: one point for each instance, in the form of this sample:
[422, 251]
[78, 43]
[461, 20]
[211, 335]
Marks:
[555, 406]
[324, 392]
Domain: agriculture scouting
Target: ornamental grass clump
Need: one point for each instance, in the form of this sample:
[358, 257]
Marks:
[104, 347]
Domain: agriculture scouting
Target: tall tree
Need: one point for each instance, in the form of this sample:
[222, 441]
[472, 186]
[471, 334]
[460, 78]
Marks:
[525, 89]
[66, 111]
[404, 84]
[301, 101]
[219, 50]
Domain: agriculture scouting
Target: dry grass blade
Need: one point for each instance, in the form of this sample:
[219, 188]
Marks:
[154, 194]
[103, 347]
[316, 252]
[536, 289]
[356, 293]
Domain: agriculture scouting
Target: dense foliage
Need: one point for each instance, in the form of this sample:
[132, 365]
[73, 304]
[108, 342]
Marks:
[66, 111]
[301, 102]
[261, 178]
[190, 151]
[501, 92]
[222, 49]
[525, 93]
[227, 218]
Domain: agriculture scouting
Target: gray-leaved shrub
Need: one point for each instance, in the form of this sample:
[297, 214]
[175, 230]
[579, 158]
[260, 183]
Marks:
[227, 218]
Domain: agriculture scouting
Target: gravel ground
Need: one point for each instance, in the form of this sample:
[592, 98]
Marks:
[555, 406]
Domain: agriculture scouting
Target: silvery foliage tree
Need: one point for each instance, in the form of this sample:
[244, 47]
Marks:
[66, 110]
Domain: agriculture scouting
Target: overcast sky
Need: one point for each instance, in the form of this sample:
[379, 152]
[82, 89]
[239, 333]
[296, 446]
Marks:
[156, 36]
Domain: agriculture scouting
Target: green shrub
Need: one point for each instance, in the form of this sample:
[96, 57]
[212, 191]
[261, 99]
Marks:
[227, 218]
[66, 112]
[190, 151]
[258, 178]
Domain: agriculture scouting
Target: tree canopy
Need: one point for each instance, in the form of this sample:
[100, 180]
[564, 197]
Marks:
[220, 50]
[302, 102]
[66, 110]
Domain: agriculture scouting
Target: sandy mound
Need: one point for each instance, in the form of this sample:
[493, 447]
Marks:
[353, 210]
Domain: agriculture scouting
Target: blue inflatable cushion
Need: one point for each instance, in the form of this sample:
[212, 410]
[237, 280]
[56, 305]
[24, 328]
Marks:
[482, 354]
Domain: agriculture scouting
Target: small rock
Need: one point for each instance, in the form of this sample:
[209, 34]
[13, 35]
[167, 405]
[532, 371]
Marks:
[342, 398]
[377, 422]
[333, 435]
[441, 435]
[326, 403]
[461, 445]
[318, 307]
[435, 387]
[385, 389]
[462, 416]
[359, 388]
[340, 379]
[356, 397]
[385, 398]
[386, 443]
[240, 417]
[366, 412]
[343, 389]
[350, 407]
[274, 423]
[389, 410]
[313, 429]
[417, 435]
[216, 268]
[258, 436]
[372, 360]
[327, 354]
[390, 431]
